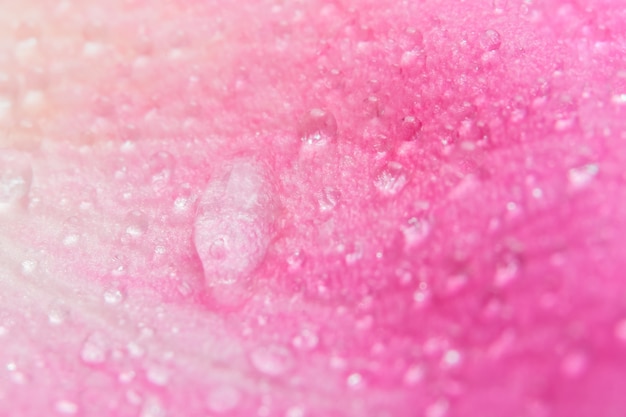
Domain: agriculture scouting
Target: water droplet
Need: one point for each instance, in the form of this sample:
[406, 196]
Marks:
[66, 407]
[413, 375]
[136, 223]
[391, 179]
[113, 296]
[234, 227]
[355, 380]
[57, 315]
[29, 266]
[507, 270]
[152, 407]
[490, 40]
[437, 409]
[409, 128]
[94, 349]
[619, 99]
[415, 231]
[421, 294]
[499, 6]
[451, 358]
[580, 177]
[318, 127]
[158, 375]
[15, 179]
[328, 200]
[272, 360]
[223, 399]
[306, 340]
[295, 411]
[160, 166]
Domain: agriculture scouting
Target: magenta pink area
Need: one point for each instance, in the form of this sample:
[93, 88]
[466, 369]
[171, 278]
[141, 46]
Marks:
[285, 209]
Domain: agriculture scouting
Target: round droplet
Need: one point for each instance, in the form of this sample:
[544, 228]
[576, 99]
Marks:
[136, 223]
[355, 380]
[490, 40]
[507, 270]
[415, 231]
[161, 166]
[15, 179]
[272, 360]
[113, 296]
[580, 177]
[94, 349]
[409, 128]
[391, 179]
[499, 6]
[306, 340]
[318, 128]
[437, 409]
[66, 407]
[574, 364]
[223, 399]
[158, 375]
[413, 375]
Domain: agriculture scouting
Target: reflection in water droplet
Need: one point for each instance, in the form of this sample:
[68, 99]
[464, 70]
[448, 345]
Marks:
[391, 179]
[582, 176]
[94, 349]
[15, 179]
[490, 40]
[318, 127]
[223, 399]
[272, 360]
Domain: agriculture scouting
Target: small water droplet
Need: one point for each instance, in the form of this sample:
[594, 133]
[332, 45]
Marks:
[391, 179]
[499, 6]
[580, 177]
[437, 409]
[295, 411]
[619, 99]
[15, 179]
[160, 166]
[152, 407]
[421, 295]
[272, 360]
[158, 375]
[94, 349]
[136, 223]
[409, 128]
[57, 315]
[355, 380]
[490, 40]
[451, 358]
[66, 407]
[223, 399]
[305, 340]
[415, 231]
[328, 200]
[113, 296]
[506, 271]
[29, 266]
[413, 375]
[318, 127]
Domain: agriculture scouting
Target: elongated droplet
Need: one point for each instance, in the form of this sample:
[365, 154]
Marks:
[233, 227]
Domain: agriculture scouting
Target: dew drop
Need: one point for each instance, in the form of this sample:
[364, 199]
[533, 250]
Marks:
[619, 99]
[581, 177]
[415, 231]
[295, 411]
[574, 364]
[355, 380]
[305, 340]
[57, 315]
[328, 200]
[223, 399]
[152, 407]
[318, 127]
[66, 407]
[499, 6]
[490, 40]
[113, 296]
[94, 349]
[506, 271]
[272, 360]
[15, 179]
[409, 128]
[437, 409]
[158, 375]
[161, 166]
[413, 375]
[136, 223]
[391, 180]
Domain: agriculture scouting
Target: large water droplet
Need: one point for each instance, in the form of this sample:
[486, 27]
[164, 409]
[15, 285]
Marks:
[272, 360]
[391, 179]
[15, 179]
[318, 128]
[94, 349]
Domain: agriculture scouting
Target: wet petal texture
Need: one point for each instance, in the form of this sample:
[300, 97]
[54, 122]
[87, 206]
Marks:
[308, 208]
